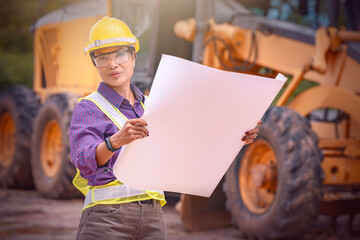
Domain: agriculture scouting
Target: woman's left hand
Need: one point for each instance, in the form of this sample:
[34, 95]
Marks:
[250, 135]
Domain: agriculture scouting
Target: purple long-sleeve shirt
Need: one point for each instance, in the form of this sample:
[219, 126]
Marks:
[90, 126]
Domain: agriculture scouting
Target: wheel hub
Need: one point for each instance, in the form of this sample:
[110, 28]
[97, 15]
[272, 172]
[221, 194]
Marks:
[263, 176]
[258, 177]
[7, 139]
[51, 148]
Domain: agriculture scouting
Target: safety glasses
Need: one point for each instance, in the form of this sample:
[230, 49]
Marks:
[118, 56]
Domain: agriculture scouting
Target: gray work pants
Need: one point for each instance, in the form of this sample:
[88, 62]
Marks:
[123, 221]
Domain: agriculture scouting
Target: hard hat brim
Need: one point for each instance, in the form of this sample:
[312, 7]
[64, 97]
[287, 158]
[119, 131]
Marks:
[113, 42]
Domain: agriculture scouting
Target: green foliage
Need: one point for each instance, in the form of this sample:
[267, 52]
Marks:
[16, 69]
[16, 40]
[15, 19]
[304, 85]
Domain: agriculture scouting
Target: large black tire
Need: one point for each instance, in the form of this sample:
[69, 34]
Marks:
[18, 108]
[51, 166]
[296, 178]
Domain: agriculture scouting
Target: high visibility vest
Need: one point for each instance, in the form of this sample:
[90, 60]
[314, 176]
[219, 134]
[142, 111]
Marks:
[114, 192]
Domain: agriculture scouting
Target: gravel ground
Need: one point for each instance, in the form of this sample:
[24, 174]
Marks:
[24, 215]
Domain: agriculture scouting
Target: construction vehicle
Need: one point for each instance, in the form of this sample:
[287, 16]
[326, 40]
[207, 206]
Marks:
[306, 159]
[34, 123]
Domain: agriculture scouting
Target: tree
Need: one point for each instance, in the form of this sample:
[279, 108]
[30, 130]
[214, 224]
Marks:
[16, 40]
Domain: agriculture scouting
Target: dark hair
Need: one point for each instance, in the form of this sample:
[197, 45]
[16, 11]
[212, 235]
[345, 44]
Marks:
[92, 56]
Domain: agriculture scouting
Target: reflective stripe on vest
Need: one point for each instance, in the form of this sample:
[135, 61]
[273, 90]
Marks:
[114, 192]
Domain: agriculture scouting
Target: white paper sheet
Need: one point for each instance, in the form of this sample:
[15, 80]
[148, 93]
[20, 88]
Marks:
[196, 118]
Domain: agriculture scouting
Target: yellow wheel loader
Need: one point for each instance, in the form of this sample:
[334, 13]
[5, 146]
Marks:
[34, 123]
[306, 159]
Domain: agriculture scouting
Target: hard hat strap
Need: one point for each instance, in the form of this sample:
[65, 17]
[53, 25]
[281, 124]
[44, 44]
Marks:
[99, 43]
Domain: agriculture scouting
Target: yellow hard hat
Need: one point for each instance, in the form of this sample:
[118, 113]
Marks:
[110, 32]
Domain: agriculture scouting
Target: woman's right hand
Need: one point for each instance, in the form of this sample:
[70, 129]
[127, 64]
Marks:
[132, 130]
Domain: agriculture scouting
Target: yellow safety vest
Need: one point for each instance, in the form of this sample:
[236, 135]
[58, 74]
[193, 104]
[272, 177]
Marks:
[114, 192]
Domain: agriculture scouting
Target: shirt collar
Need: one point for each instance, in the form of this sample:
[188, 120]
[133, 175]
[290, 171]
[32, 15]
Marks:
[115, 98]
[138, 94]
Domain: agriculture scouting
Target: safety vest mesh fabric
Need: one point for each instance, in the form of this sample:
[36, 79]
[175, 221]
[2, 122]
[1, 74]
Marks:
[114, 192]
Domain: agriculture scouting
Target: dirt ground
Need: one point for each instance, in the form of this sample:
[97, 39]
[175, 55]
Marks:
[24, 215]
